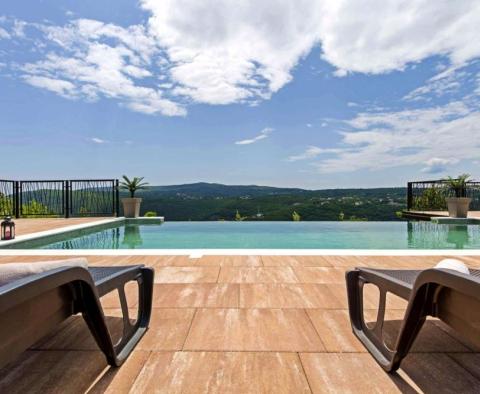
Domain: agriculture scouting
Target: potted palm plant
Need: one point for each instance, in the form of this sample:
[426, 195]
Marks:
[131, 205]
[458, 206]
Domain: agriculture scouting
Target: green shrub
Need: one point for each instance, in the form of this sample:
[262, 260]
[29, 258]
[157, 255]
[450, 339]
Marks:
[150, 214]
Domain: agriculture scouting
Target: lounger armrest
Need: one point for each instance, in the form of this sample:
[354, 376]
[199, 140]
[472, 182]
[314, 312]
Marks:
[31, 286]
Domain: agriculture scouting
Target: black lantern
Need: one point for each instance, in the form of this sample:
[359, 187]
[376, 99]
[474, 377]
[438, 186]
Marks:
[7, 229]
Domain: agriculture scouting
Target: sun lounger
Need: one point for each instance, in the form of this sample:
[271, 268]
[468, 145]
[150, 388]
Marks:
[34, 305]
[451, 296]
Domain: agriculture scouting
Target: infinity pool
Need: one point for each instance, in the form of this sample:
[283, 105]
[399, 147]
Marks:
[271, 235]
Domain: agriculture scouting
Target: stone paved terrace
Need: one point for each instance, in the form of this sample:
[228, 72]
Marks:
[246, 324]
[33, 225]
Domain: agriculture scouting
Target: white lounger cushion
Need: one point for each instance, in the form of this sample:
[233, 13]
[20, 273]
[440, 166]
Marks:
[13, 271]
[453, 264]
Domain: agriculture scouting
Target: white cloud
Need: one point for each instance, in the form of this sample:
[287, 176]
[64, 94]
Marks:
[4, 34]
[263, 134]
[309, 125]
[221, 54]
[436, 165]
[427, 137]
[103, 60]
[211, 52]
[310, 153]
[59, 86]
[97, 140]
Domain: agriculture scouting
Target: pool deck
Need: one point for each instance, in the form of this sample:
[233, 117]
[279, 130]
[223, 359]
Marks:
[247, 324]
[30, 226]
[427, 215]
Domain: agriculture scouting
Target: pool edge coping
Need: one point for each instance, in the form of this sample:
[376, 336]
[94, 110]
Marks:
[198, 253]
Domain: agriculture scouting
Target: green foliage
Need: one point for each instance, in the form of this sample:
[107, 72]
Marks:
[458, 184]
[150, 214]
[353, 218]
[6, 206]
[399, 214]
[432, 198]
[35, 209]
[296, 217]
[238, 217]
[133, 185]
[341, 216]
[204, 202]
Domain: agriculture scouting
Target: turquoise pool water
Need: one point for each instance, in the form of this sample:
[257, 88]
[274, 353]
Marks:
[273, 235]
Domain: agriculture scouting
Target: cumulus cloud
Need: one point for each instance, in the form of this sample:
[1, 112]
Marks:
[436, 165]
[263, 134]
[211, 52]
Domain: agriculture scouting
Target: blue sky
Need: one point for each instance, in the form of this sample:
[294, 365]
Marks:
[318, 94]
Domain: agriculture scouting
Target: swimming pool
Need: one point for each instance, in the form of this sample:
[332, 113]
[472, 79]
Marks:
[267, 235]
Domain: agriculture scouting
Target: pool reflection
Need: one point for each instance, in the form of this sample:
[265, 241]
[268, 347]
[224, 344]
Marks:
[427, 235]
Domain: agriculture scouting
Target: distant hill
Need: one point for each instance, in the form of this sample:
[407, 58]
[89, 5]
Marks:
[211, 201]
[203, 189]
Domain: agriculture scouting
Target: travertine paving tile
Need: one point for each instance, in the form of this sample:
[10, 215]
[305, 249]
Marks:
[196, 295]
[252, 330]
[120, 380]
[469, 361]
[73, 334]
[335, 330]
[454, 334]
[52, 372]
[112, 300]
[148, 261]
[339, 291]
[174, 261]
[257, 275]
[295, 261]
[282, 295]
[280, 261]
[229, 261]
[214, 372]
[346, 373]
[437, 372]
[320, 274]
[430, 339]
[168, 329]
[186, 274]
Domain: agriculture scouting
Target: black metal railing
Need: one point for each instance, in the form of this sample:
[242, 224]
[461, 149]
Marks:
[7, 198]
[431, 195]
[59, 198]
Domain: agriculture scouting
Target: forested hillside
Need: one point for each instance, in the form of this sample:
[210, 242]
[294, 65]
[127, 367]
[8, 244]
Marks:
[204, 201]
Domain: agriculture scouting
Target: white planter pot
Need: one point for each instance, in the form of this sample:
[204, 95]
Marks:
[131, 207]
[458, 206]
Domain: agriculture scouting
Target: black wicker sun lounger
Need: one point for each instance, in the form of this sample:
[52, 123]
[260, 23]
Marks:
[451, 296]
[33, 306]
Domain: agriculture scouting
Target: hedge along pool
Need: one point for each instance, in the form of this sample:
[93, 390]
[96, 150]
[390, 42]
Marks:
[264, 235]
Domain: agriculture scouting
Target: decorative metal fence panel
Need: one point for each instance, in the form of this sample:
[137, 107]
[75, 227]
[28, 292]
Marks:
[93, 197]
[431, 195]
[42, 198]
[59, 198]
[7, 198]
